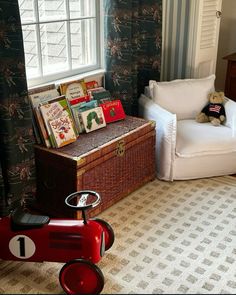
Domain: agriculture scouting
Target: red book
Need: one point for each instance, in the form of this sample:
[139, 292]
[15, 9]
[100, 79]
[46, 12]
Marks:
[76, 100]
[113, 111]
[91, 84]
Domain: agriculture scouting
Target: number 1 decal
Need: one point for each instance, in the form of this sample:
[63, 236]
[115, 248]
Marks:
[22, 247]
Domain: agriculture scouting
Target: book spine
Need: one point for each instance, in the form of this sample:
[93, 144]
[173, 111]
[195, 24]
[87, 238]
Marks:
[70, 112]
[48, 129]
[42, 129]
[78, 121]
[36, 130]
[78, 100]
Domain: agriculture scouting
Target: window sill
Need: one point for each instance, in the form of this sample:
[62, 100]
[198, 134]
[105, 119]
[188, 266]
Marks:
[88, 76]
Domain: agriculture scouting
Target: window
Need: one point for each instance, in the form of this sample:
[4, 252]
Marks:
[61, 38]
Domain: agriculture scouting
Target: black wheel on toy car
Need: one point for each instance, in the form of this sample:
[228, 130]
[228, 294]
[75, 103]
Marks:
[80, 276]
[108, 231]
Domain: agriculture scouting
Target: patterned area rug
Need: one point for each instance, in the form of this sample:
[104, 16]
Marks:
[171, 238]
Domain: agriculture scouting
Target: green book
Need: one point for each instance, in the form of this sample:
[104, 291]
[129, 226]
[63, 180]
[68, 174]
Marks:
[102, 96]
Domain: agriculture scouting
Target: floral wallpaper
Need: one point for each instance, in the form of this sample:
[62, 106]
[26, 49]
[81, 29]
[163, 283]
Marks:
[17, 169]
[133, 57]
[132, 48]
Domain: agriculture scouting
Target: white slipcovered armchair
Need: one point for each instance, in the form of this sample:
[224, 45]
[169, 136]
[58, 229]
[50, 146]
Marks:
[186, 149]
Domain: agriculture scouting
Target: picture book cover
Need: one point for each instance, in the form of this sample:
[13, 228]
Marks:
[41, 95]
[73, 89]
[93, 119]
[91, 84]
[37, 96]
[97, 89]
[88, 105]
[102, 96]
[113, 111]
[53, 110]
[78, 109]
[62, 131]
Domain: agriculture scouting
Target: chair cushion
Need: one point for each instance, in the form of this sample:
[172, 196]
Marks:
[183, 97]
[195, 139]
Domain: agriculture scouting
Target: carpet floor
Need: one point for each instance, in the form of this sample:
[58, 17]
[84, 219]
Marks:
[170, 238]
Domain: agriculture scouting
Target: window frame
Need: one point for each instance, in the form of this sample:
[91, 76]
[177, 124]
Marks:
[80, 71]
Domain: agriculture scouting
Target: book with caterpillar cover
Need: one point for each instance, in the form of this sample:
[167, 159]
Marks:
[93, 119]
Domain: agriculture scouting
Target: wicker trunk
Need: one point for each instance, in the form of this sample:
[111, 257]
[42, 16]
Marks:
[113, 161]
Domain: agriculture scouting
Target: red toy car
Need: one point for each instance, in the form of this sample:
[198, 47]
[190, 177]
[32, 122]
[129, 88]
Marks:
[78, 243]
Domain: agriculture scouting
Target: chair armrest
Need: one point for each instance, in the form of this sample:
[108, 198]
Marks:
[230, 111]
[165, 135]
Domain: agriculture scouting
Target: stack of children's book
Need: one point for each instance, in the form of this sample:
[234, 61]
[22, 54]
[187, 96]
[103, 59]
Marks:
[61, 113]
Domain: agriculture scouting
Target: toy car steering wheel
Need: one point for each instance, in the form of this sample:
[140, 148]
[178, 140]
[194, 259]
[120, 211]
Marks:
[83, 200]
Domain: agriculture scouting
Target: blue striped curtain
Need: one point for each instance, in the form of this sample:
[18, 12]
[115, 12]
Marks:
[132, 48]
[17, 167]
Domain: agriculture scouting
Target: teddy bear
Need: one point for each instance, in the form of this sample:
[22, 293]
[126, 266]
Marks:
[214, 111]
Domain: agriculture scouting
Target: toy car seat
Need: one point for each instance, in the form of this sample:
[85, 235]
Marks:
[20, 219]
